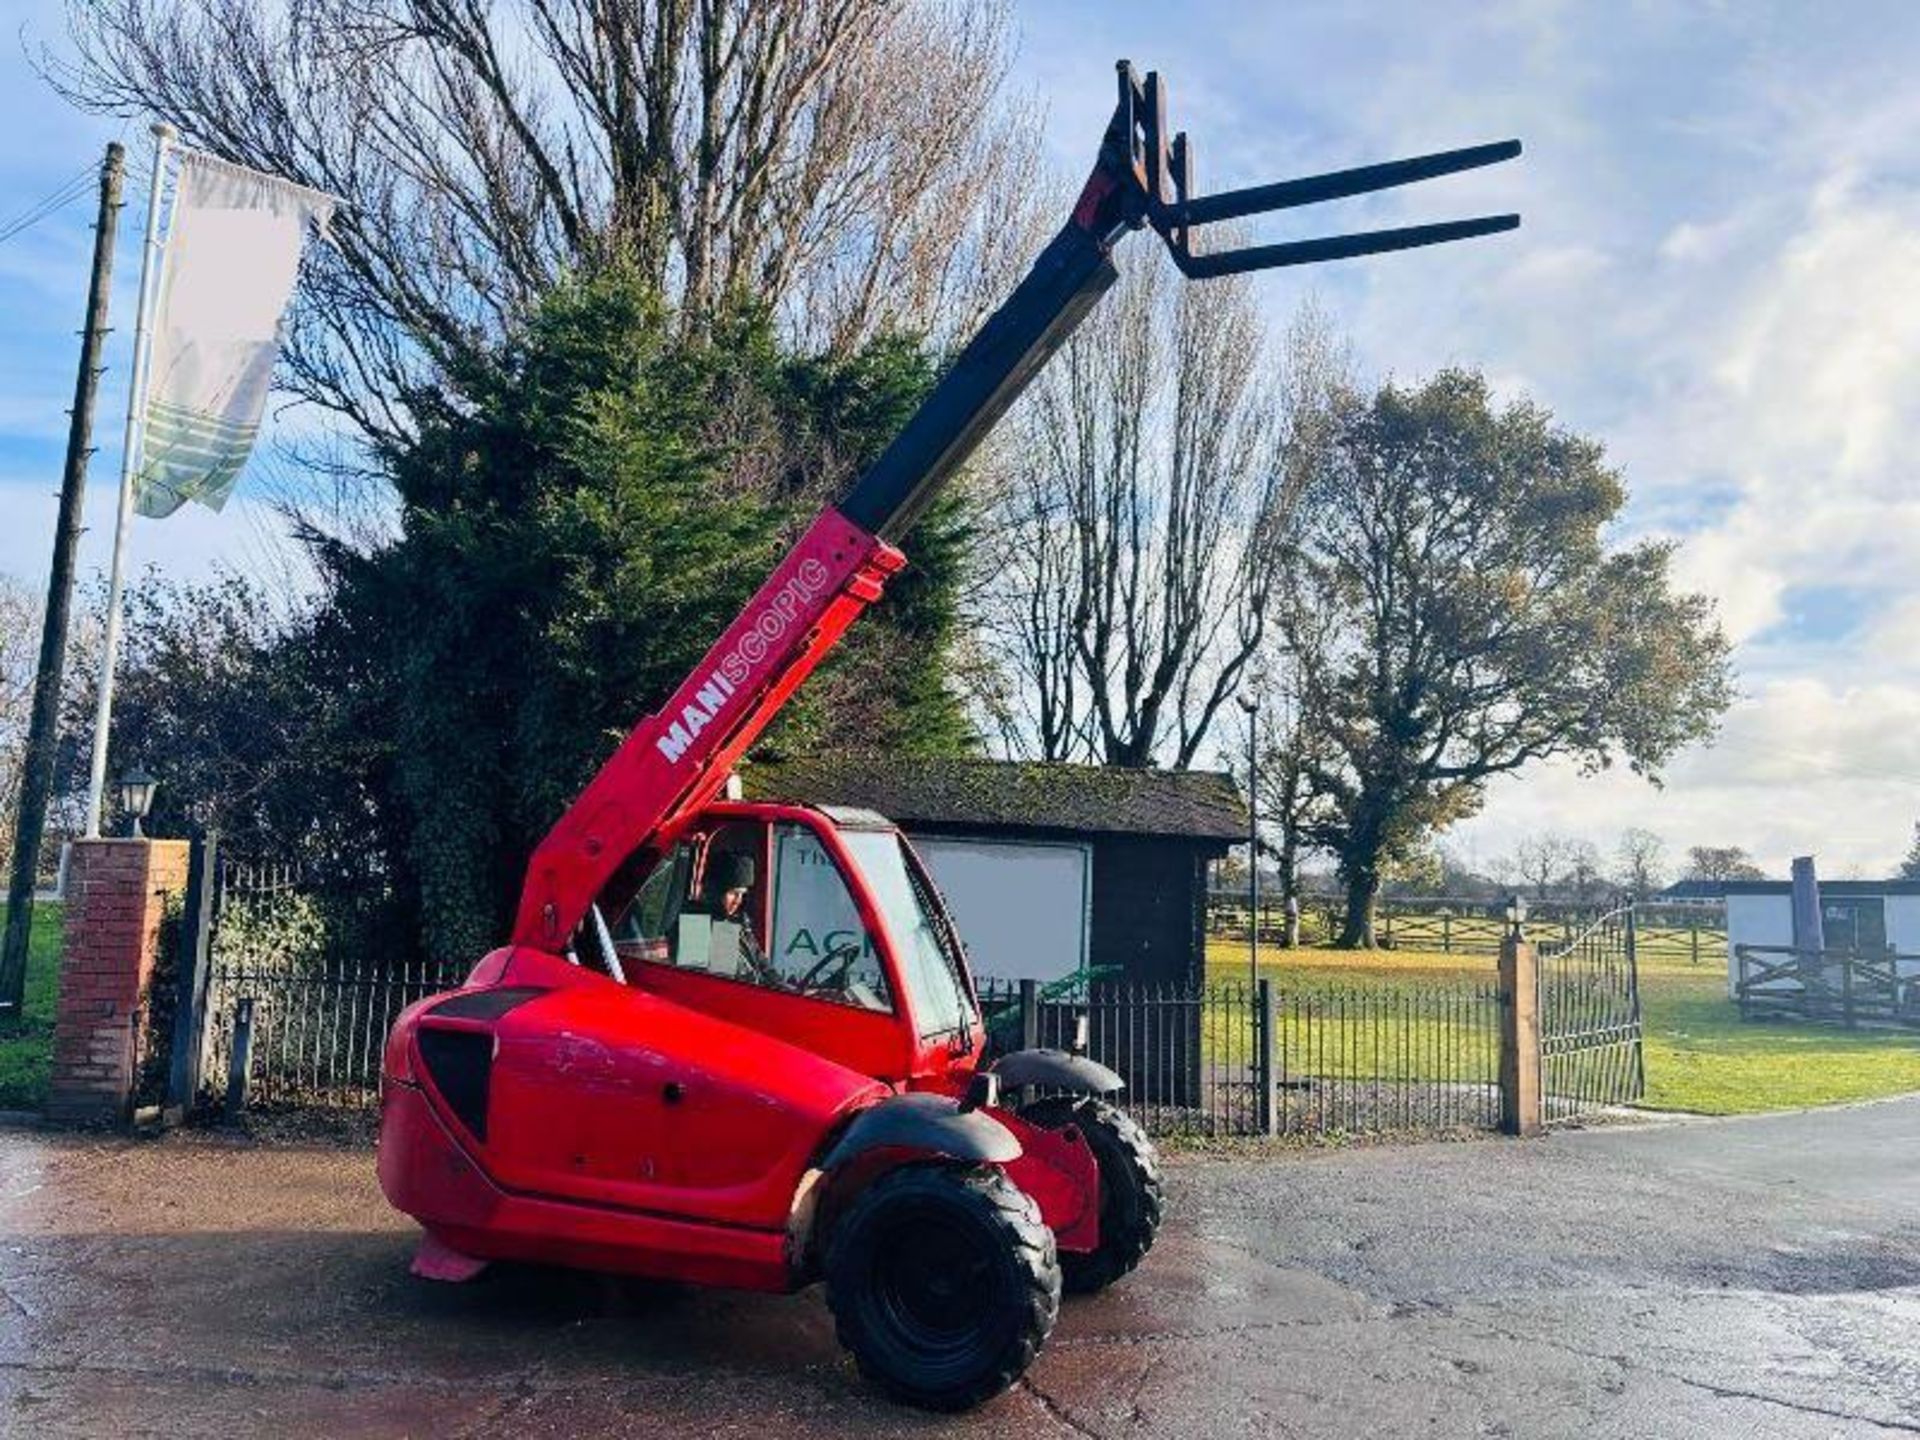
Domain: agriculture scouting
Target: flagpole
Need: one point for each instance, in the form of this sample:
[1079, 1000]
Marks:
[163, 135]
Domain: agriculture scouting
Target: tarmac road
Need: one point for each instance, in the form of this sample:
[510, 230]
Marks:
[1748, 1277]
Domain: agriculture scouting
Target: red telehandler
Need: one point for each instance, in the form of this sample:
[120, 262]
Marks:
[738, 1044]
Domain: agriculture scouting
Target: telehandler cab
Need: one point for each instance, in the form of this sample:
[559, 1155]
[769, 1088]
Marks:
[738, 1044]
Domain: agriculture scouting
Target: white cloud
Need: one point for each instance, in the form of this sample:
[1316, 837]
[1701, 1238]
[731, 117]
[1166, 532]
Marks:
[1804, 767]
[1718, 274]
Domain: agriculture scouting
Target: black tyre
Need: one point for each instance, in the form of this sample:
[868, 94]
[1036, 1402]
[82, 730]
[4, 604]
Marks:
[944, 1284]
[1131, 1199]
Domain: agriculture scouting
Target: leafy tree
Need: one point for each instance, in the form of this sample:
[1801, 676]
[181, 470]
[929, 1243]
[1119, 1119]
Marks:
[215, 696]
[1455, 613]
[578, 522]
[1716, 863]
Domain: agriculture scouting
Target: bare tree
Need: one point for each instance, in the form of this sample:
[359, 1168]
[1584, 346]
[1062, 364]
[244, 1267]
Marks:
[1540, 861]
[19, 651]
[826, 159]
[20, 612]
[1142, 500]
[1582, 877]
[1641, 861]
[1289, 805]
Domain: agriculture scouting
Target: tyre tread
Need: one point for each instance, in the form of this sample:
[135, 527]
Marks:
[1119, 1254]
[1016, 1215]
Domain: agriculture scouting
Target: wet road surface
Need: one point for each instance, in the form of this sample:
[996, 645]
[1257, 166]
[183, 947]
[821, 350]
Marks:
[1750, 1277]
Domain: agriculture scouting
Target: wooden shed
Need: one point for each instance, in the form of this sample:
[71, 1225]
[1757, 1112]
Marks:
[1049, 869]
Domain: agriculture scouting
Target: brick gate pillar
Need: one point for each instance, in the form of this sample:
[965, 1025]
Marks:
[116, 896]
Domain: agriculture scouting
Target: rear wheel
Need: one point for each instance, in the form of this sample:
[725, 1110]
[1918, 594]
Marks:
[1131, 1199]
[944, 1284]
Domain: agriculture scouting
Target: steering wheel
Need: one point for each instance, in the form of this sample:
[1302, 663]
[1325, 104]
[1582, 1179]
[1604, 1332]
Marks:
[841, 957]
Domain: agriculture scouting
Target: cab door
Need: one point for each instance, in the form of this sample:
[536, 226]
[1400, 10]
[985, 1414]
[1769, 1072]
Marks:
[815, 973]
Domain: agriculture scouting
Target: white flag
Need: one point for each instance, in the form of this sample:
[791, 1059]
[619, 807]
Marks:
[233, 253]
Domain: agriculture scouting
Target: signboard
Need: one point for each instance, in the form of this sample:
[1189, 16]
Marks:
[1024, 908]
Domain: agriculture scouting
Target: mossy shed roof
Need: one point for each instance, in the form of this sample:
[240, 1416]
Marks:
[1010, 794]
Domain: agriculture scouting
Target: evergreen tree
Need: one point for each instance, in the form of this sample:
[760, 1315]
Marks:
[581, 515]
[1910, 866]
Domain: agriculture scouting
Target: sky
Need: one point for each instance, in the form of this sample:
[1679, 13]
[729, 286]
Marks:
[1718, 275]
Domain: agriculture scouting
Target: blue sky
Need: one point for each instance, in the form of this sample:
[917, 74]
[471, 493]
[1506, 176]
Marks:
[1719, 275]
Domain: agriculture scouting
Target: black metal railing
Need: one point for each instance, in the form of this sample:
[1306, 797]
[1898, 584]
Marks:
[311, 1036]
[302, 988]
[1343, 1059]
[1843, 987]
[1591, 1055]
[300, 1000]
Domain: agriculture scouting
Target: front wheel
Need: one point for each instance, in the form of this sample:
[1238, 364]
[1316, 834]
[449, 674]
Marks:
[1131, 1199]
[944, 1284]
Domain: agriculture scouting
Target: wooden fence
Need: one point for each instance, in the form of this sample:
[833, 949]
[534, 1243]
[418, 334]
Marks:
[1845, 987]
[1694, 933]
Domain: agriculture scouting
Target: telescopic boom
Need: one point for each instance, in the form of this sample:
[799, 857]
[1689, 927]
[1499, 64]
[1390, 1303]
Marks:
[676, 761]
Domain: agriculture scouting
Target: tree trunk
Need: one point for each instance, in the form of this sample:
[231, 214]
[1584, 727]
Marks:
[1363, 888]
[1290, 888]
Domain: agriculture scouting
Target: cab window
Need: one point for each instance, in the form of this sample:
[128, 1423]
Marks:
[763, 905]
[820, 947]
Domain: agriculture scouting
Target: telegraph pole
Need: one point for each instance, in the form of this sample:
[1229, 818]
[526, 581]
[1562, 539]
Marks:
[36, 779]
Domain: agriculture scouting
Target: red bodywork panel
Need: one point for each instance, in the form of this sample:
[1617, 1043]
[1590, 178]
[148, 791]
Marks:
[622, 1128]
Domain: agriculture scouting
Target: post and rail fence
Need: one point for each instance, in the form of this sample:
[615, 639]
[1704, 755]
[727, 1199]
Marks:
[1853, 988]
[1690, 931]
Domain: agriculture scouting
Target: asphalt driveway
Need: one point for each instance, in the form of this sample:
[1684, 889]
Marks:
[1744, 1277]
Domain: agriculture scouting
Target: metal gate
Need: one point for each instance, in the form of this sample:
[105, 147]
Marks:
[1590, 1036]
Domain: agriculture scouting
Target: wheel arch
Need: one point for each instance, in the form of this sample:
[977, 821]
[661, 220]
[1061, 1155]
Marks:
[899, 1130]
[1057, 1070]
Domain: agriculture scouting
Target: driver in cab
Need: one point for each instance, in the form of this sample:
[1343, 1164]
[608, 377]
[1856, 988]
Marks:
[732, 947]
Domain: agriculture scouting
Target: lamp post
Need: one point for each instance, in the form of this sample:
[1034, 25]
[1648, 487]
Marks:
[135, 791]
[1252, 708]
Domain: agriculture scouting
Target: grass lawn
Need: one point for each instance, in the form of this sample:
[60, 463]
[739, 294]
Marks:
[26, 1053]
[1700, 1056]
[1327, 1029]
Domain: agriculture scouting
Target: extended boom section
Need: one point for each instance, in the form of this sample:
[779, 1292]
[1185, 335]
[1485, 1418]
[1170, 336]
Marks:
[676, 761]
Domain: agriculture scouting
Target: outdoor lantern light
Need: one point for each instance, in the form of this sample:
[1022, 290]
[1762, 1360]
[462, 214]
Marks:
[1516, 913]
[136, 797]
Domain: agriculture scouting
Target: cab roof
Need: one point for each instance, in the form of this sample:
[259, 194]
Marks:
[853, 817]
